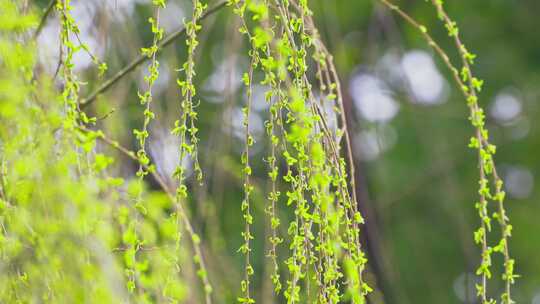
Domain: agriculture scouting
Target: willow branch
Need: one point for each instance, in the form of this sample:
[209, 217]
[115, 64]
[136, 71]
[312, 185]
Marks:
[141, 58]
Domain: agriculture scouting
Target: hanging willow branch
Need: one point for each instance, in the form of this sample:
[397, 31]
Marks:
[311, 152]
[185, 127]
[470, 86]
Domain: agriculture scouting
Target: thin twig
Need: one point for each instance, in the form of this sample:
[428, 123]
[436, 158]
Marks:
[141, 58]
[431, 42]
[46, 14]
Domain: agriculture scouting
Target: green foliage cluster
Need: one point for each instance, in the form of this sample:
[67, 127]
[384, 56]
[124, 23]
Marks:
[324, 231]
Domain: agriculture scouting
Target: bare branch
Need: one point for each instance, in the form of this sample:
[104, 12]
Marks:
[43, 20]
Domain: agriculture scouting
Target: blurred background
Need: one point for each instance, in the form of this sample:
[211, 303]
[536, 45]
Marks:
[417, 180]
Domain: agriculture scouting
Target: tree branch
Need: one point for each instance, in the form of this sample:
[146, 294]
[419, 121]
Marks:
[139, 60]
[46, 14]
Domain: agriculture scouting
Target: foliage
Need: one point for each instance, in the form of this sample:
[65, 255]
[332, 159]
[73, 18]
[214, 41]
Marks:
[74, 231]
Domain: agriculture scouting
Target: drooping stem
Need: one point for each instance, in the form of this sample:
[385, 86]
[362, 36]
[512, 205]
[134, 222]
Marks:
[470, 86]
[185, 127]
[146, 100]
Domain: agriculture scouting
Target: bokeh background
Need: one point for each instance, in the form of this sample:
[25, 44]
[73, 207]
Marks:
[417, 179]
